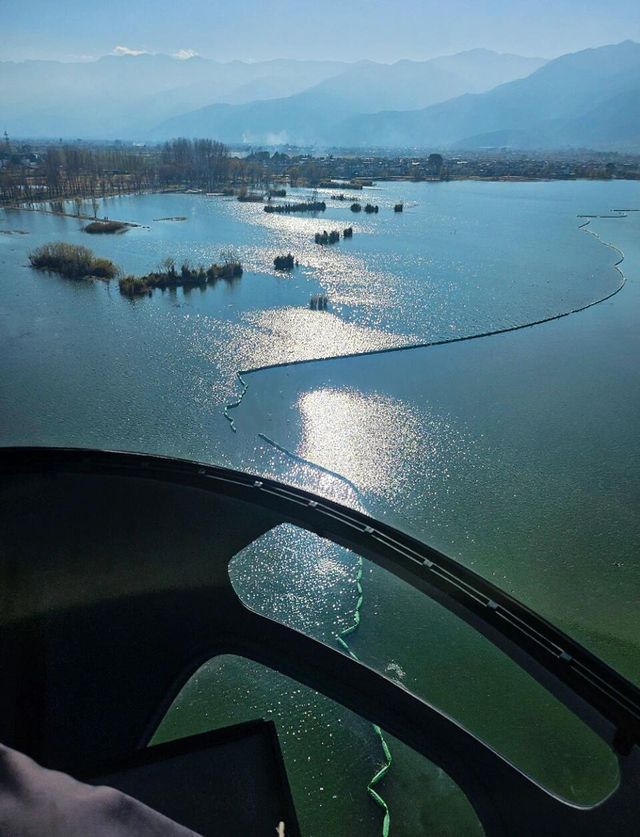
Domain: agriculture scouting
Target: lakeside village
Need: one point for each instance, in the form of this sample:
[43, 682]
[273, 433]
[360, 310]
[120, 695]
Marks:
[36, 171]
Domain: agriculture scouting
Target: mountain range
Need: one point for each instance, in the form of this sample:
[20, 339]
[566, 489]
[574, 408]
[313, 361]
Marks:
[316, 113]
[154, 96]
[126, 96]
[588, 99]
[471, 100]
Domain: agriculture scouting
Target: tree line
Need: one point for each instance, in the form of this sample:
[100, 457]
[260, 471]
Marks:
[58, 171]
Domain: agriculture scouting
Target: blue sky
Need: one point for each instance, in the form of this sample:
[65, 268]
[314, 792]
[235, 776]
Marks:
[381, 30]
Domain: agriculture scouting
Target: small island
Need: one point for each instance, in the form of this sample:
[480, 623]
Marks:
[97, 227]
[77, 262]
[186, 277]
[71, 261]
[327, 238]
[284, 262]
[309, 206]
[370, 208]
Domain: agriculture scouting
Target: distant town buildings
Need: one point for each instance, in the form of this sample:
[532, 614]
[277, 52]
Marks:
[37, 170]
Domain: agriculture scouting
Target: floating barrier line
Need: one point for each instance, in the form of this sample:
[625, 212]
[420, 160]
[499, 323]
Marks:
[341, 639]
[446, 341]
[235, 404]
[308, 462]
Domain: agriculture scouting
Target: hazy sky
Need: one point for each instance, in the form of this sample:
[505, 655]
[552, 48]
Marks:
[383, 30]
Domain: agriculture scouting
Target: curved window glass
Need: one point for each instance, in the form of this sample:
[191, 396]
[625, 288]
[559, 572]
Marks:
[331, 754]
[323, 590]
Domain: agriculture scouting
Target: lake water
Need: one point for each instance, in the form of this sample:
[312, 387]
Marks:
[516, 453]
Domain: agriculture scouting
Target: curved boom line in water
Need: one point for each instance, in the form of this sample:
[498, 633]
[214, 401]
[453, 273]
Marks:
[308, 462]
[444, 342]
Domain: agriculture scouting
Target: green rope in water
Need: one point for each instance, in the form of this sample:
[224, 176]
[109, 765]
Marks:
[379, 776]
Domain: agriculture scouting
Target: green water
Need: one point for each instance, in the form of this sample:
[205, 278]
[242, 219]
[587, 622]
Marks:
[517, 454]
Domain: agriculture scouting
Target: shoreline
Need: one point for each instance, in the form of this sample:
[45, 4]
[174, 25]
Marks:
[81, 217]
[36, 205]
[41, 206]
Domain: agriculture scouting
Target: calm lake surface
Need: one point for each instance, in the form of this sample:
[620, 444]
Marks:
[516, 453]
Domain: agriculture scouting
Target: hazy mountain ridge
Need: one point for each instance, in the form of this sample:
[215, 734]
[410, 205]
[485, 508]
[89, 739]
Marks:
[590, 98]
[130, 96]
[125, 96]
[574, 100]
[314, 115]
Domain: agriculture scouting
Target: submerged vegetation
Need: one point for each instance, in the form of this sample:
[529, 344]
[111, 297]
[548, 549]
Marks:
[348, 198]
[333, 237]
[72, 261]
[106, 227]
[319, 302]
[284, 262]
[369, 208]
[188, 276]
[331, 184]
